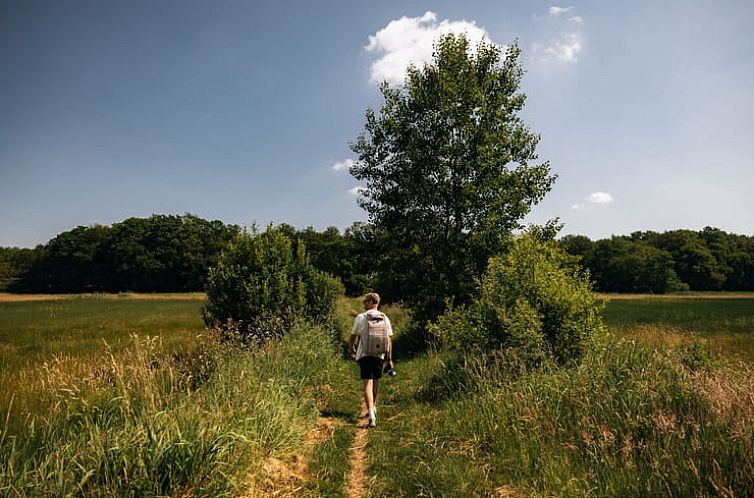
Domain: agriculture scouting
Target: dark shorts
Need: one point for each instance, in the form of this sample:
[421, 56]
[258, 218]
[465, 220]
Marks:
[371, 367]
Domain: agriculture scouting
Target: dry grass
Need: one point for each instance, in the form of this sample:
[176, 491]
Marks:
[730, 394]
[676, 297]
[25, 298]
[149, 423]
[286, 476]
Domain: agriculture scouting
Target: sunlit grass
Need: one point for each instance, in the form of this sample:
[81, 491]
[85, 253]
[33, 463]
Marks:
[151, 422]
[76, 333]
[723, 325]
[649, 414]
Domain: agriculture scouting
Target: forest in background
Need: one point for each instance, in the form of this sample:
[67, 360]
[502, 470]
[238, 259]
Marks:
[172, 253]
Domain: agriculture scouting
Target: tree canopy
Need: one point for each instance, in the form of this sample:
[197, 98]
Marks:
[450, 170]
[162, 253]
[676, 260]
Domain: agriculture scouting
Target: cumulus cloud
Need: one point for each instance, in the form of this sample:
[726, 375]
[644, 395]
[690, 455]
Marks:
[564, 37]
[600, 198]
[595, 198]
[345, 164]
[566, 48]
[409, 40]
[556, 11]
[356, 190]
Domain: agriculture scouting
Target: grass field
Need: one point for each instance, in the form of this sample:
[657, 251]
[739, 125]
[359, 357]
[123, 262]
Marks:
[163, 410]
[723, 323]
[651, 414]
[33, 329]
[40, 334]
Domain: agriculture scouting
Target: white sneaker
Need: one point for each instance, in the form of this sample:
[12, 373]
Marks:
[372, 420]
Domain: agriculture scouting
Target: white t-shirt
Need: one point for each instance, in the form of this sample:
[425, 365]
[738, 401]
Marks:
[360, 327]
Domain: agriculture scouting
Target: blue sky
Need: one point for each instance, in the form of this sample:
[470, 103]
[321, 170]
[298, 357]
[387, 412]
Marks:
[239, 110]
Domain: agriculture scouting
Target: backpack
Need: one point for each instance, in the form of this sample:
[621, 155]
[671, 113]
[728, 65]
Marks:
[376, 339]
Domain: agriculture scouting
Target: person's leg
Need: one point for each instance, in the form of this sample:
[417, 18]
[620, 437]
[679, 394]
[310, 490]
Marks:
[369, 394]
[375, 390]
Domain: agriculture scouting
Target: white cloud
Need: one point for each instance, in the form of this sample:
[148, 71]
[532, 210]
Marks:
[356, 190]
[565, 38]
[599, 198]
[409, 40]
[566, 48]
[345, 164]
[593, 199]
[556, 11]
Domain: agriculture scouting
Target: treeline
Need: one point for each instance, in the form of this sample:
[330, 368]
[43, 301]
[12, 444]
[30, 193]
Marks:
[162, 253]
[169, 253]
[677, 260]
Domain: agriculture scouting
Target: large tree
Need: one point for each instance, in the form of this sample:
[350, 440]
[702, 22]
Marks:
[450, 170]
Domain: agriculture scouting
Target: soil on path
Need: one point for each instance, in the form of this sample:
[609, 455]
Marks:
[286, 477]
[355, 486]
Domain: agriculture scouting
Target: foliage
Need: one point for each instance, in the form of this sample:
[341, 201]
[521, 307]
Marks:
[734, 255]
[167, 254]
[450, 170]
[345, 256]
[694, 262]
[620, 265]
[533, 299]
[261, 285]
[14, 263]
[156, 254]
[659, 263]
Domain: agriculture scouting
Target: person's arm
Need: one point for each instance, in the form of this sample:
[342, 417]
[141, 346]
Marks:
[353, 345]
[389, 352]
[354, 336]
[389, 355]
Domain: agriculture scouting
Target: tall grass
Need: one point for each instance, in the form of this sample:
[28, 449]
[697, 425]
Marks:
[629, 421]
[74, 335]
[692, 314]
[147, 424]
[724, 326]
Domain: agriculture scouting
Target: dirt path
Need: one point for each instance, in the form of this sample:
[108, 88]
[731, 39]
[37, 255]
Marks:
[355, 486]
[286, 477]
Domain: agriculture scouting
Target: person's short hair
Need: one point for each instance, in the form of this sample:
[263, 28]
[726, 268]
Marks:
[372, 298]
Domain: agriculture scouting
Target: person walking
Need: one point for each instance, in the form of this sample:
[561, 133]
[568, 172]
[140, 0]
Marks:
[366, 343]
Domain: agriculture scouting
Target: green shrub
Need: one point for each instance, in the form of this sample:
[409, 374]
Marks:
[696, 357]
[263, 282]
[534, 299]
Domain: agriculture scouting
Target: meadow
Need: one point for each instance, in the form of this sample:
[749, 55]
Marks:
[70, 333]
[664, 408]
[129, 396]
[721, 322]
[164, 409]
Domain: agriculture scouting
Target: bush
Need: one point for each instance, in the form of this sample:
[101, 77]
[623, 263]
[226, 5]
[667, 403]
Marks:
[263, 282]
[533, 299]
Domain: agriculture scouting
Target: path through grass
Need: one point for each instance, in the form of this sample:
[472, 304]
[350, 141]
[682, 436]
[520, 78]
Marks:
[645, 416]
